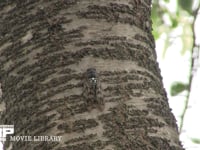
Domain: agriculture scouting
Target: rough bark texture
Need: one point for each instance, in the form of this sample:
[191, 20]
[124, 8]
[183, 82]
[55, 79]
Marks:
[45, 49]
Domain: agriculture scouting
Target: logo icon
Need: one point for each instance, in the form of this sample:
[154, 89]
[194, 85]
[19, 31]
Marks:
[5, 130]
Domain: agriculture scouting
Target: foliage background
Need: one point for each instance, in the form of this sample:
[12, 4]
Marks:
[176, 24]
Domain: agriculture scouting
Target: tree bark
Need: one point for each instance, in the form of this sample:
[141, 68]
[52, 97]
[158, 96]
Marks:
[46, 48]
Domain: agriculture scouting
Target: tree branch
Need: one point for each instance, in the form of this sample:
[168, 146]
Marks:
[192, 69]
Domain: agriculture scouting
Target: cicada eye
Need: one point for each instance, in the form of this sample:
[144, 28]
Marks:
[93, 80]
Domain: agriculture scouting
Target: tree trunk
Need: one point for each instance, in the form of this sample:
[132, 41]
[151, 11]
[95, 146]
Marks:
[85, 70]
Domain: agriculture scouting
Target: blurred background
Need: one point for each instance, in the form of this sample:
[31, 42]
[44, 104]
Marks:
[176, 28]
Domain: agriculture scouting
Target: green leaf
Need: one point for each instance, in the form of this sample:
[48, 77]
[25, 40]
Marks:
[186, 5]
[155, 33]
[187, 38]
[177, 88]
[195, 140]
[174, 22]
[156, 16]
[166, 1]
[166, 45]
